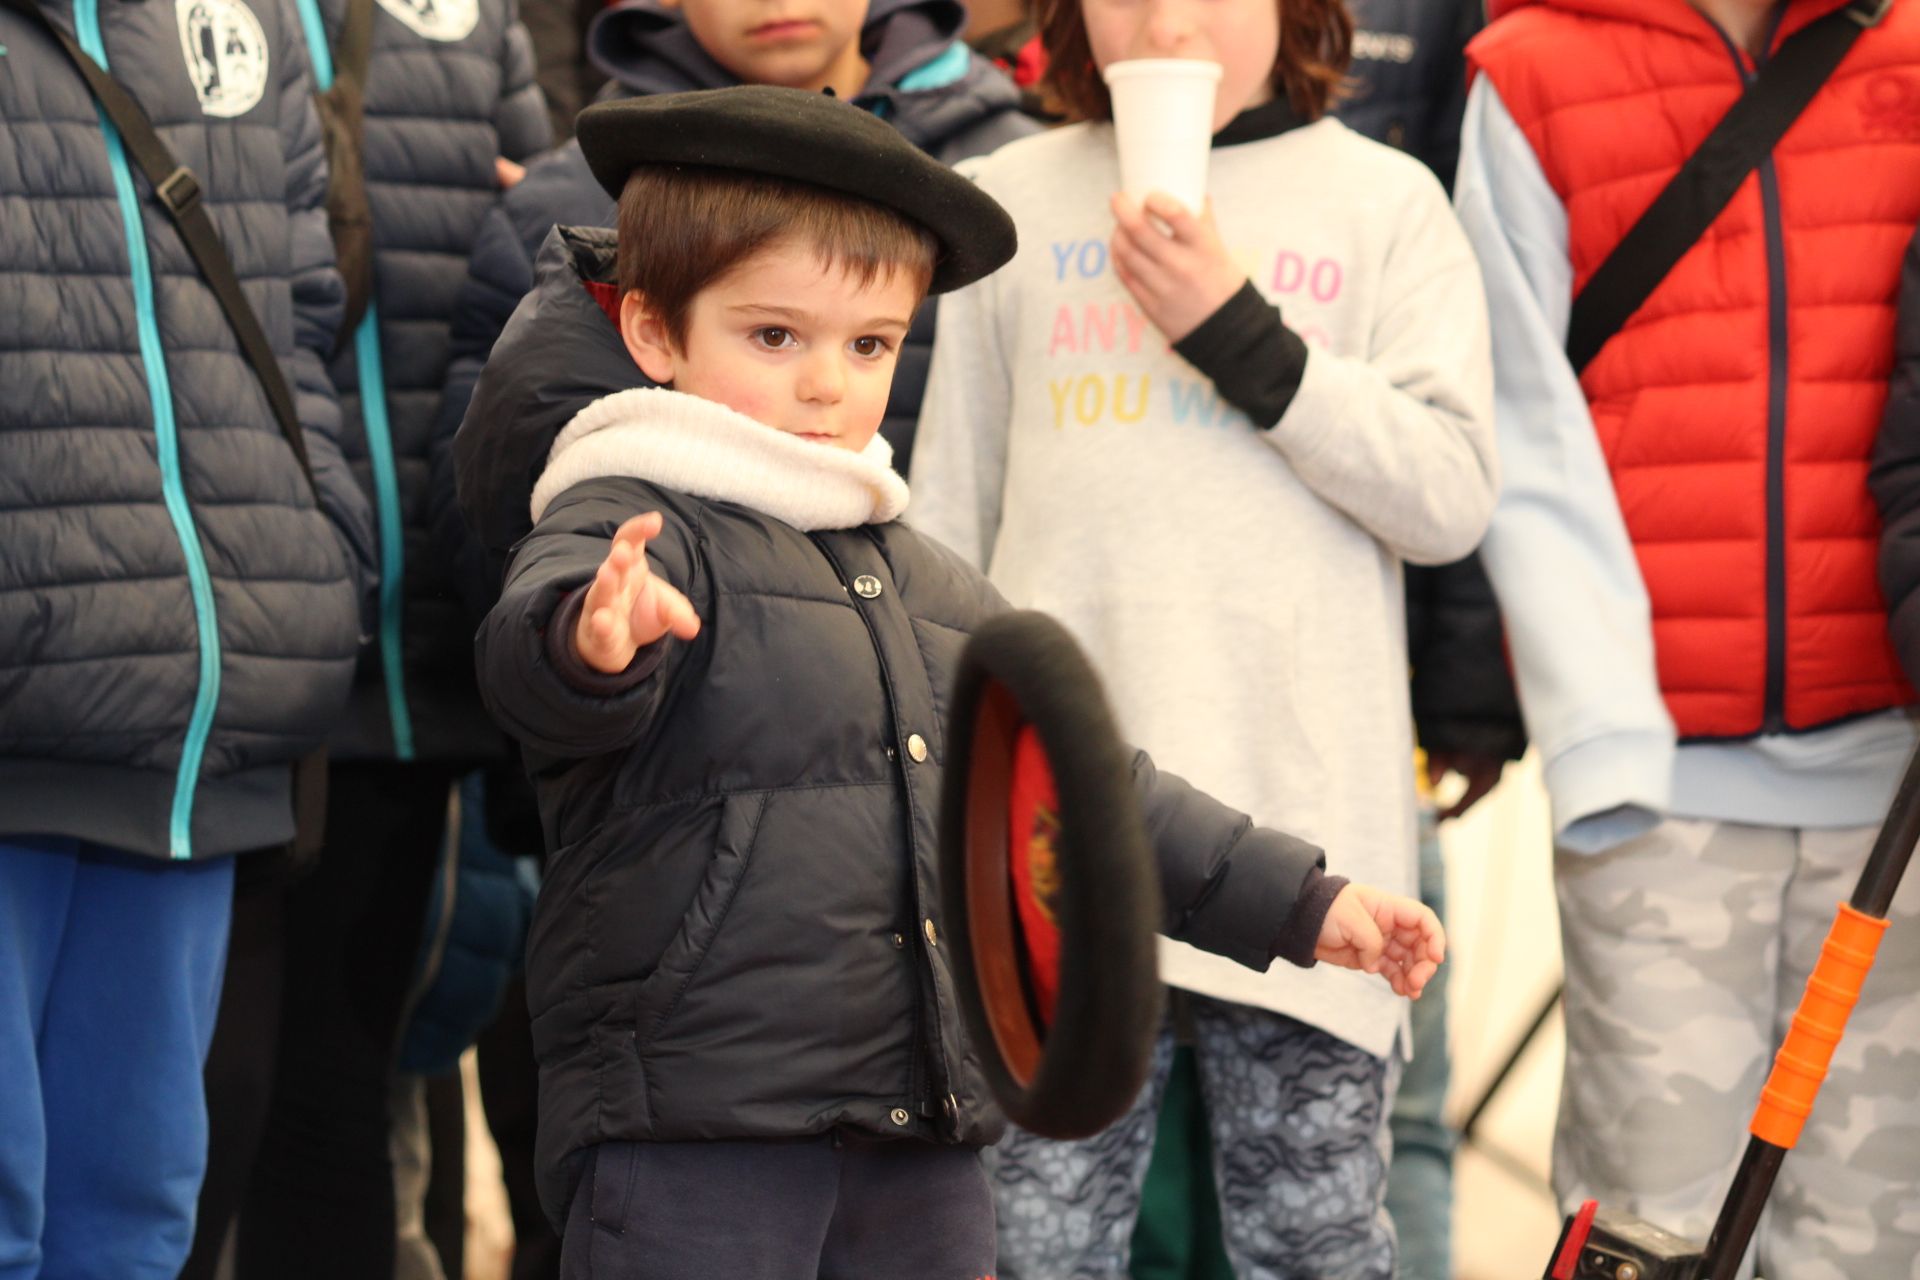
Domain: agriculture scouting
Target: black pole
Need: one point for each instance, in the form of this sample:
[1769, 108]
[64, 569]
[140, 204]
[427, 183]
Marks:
[1746, 1200]
[1872, 896]
[1513, 1060]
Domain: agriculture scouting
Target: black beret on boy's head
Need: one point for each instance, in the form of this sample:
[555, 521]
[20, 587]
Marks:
[803, 137]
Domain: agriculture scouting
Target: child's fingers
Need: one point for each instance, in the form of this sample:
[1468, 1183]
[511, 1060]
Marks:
[604, 590]
[1368, 943]
[1186, 228]
[1416, 978]
[1157, 248]
[675, 612]
[1148, 275]
[639, 530]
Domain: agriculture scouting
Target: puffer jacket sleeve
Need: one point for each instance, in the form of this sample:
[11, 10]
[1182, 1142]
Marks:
[1228, 886]
[1895, 478]
[319, 301]
[523, 688]
[521, 120]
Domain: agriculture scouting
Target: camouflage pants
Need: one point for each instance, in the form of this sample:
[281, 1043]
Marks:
[1686, 952]
[1300, 1149]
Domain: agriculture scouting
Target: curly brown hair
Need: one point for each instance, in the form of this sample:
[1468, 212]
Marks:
[1316, 47]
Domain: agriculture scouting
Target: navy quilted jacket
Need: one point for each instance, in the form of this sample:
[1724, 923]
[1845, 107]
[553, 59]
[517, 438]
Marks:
[178, 620]
[449, 88]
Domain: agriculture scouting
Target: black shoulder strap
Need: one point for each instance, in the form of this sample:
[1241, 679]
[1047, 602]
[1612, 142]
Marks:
[1705, 185]
[179, 193]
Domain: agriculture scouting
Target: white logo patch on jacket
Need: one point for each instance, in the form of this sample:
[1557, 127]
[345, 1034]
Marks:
[436, 19]
[226, 52]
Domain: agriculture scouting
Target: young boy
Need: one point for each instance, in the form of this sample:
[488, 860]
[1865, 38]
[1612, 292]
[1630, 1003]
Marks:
[728, 664]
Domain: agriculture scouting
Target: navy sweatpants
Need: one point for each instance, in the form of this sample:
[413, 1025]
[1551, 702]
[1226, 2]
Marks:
[110, 969]
[813, 1209]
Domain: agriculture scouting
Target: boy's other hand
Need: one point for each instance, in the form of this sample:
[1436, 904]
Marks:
[627, 607]
[1179, 279]
[1374, 932]
[507, 173]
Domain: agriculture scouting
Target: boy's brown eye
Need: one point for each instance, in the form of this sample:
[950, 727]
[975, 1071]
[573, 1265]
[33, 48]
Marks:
[772, 337]
[869, 346]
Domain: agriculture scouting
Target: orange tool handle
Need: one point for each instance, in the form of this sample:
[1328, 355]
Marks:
[1832, 991]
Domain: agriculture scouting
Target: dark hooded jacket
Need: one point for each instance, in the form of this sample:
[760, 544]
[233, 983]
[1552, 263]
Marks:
[925, 82]
[179, 613]
[738, 934]
[449, 88]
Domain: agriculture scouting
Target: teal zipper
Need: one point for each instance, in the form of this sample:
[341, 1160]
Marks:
[319, 52]
[386, 496]
[86, 21]
[379, 433]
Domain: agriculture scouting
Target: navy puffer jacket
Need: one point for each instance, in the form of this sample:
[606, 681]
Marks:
[739, 932]
[178, 620]
[925, 82]
[449, 88]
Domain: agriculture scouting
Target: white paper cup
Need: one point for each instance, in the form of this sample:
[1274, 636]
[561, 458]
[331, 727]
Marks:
[1163, 121]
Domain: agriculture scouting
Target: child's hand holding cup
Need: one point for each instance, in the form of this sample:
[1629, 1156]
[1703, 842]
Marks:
[1166, 250]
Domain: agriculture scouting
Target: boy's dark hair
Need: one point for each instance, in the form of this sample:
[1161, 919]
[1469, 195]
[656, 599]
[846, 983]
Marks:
[683, 227]
[1316, 48]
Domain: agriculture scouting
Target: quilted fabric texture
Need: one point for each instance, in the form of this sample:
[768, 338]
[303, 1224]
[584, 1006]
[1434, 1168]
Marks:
[1737, 408]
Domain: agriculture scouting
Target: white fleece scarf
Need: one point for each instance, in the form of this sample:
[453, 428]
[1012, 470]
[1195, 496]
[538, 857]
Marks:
[696, 446]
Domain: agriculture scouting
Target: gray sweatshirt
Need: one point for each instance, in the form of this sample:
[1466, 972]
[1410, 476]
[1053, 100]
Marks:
[1236, 581]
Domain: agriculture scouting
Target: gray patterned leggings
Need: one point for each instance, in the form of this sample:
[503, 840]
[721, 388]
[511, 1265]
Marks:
[1300, 1149]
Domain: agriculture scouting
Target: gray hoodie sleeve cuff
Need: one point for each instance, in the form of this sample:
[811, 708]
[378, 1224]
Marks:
[573, 669]
[1250, 355]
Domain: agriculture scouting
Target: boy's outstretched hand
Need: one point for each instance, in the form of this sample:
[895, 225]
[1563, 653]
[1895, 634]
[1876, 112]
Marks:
[627, 607]
[1398, 938]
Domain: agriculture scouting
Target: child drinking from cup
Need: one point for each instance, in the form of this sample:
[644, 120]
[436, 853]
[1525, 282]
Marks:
[1293, 380]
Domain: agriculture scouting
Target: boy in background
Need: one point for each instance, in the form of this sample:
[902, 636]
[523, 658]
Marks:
[180, 606]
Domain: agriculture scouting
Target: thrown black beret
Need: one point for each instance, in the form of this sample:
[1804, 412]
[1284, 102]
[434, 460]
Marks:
[1071, 1069]
[803, 137]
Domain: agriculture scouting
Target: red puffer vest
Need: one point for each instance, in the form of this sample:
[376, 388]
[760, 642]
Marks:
[1737, 409]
